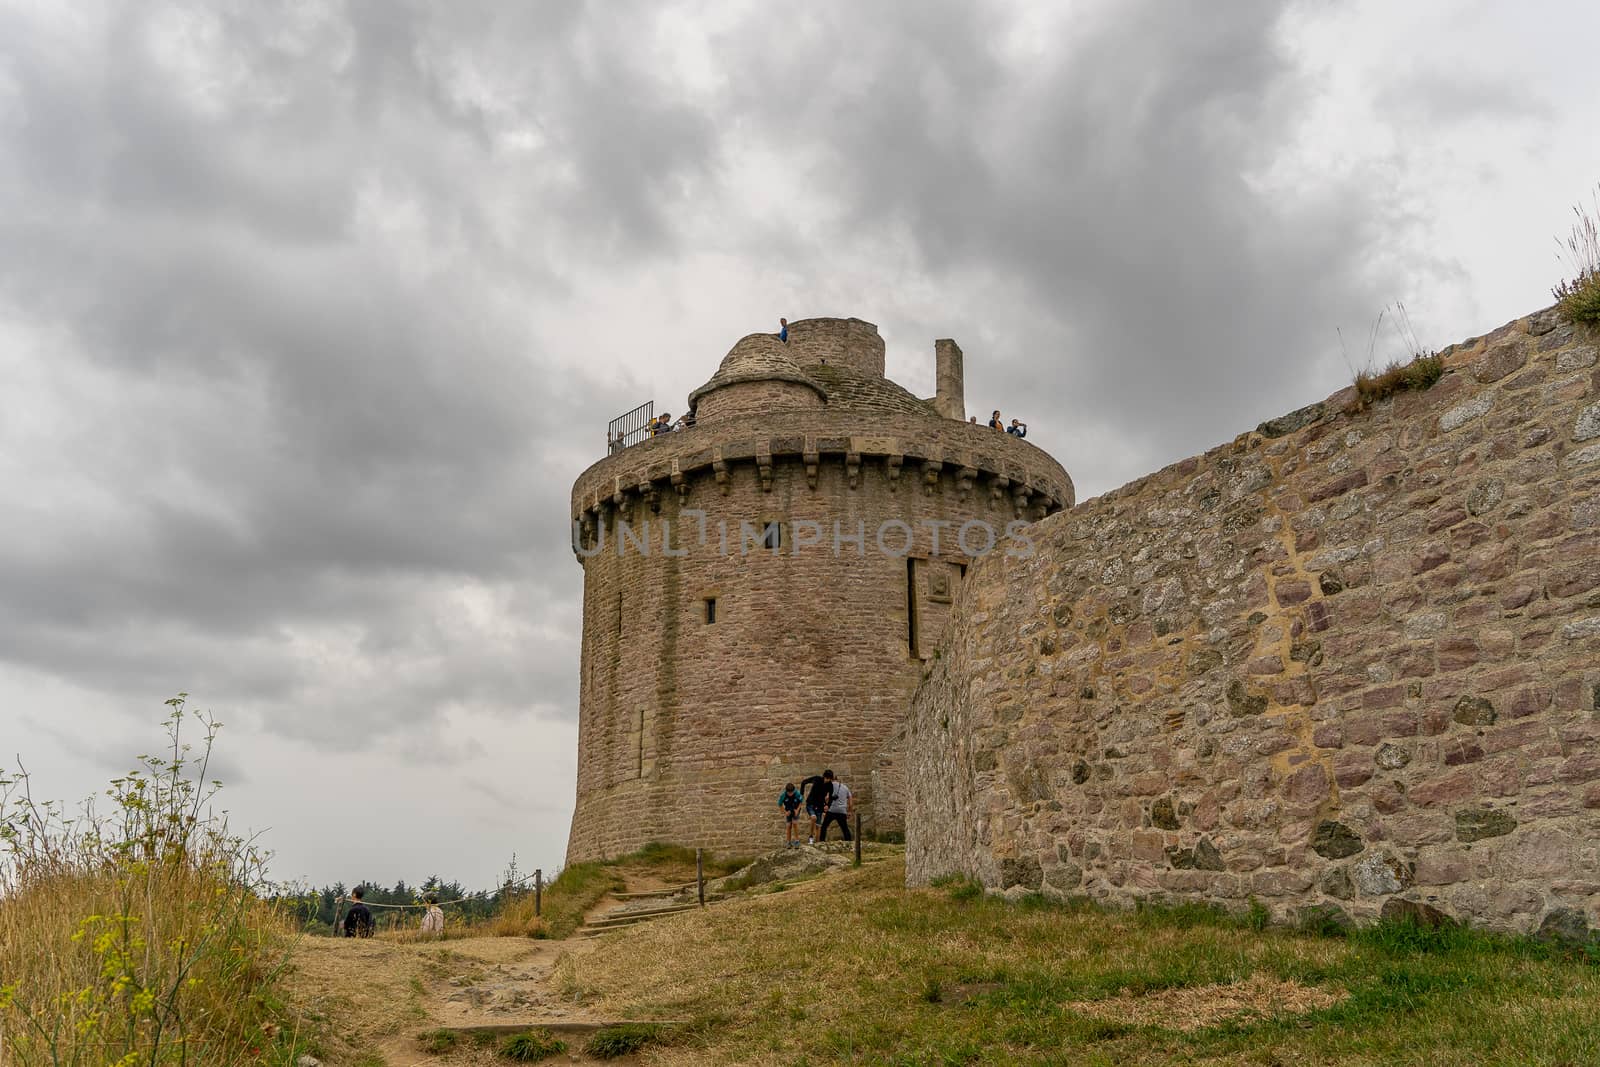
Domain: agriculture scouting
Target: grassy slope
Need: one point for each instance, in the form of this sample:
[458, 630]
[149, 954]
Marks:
[854, 968]
[580, 886]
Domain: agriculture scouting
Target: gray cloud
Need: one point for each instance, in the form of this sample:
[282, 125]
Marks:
[310, 314]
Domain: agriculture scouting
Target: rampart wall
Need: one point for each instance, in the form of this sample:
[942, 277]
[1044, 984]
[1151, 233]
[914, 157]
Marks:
[1350, 660]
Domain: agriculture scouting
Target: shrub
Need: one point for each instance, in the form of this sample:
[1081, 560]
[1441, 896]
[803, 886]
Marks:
[1579, 298]
[1419, 374]
[623, 1040]
[139, 935]
[532, 1046]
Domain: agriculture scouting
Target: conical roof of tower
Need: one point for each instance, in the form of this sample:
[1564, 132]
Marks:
[758, 357]
[854, 391]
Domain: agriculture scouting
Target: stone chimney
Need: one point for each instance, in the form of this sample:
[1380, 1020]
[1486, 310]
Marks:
[950, 398]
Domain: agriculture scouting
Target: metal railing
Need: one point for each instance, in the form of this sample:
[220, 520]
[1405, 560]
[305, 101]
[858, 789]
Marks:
[630, 428]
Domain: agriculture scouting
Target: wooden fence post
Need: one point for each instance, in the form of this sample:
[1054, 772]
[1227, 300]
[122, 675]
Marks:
[858, 839]
[538, 891]
[700, 876]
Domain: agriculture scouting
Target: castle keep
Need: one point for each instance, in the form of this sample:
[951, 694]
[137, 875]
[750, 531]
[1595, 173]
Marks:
[762, 589]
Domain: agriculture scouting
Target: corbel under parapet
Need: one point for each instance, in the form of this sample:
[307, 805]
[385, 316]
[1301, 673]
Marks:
[647, 490]
[964, 479]
[719, 466]
[764, 466]
[1019, 499]
[680, 483]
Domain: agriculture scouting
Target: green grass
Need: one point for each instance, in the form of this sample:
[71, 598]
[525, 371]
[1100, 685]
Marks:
[623, 1040]
[576, 889]
[679, 860]
[531, 1046]
[438, 1042]
[951, 976]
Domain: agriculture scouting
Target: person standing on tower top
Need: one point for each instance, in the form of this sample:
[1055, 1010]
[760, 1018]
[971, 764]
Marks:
[783, 330]
[996, 422]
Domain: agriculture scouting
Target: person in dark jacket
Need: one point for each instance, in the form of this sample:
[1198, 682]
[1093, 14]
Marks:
[359, 922]
[819, 794]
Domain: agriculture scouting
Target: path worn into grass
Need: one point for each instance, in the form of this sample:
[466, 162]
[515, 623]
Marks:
[385, 993]
[377, 996]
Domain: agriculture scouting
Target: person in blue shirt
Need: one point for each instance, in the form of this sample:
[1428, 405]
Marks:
[783, 330]
[789, 800]
[1017, 428]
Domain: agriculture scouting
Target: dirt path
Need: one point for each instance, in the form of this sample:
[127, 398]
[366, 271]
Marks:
[390, 992]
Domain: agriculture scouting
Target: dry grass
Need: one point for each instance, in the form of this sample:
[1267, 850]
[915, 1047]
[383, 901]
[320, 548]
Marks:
[853, 968]
[457, 931]
[1256, 997]
[138, 936]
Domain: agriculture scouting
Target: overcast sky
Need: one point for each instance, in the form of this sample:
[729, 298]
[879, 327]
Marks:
[310, 313]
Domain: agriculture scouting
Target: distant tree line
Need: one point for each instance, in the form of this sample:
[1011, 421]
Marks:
[315, 909]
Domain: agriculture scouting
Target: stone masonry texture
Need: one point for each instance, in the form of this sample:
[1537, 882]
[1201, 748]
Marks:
[688, 727]
[1348, 661]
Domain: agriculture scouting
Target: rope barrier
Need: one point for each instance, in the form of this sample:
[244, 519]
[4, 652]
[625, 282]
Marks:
[339, 902]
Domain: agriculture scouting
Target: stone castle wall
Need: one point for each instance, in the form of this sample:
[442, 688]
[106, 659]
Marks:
[689, 728]
[1349, 660]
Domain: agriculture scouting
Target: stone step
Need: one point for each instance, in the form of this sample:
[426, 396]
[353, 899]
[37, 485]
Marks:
[666, 892]
[622, 918]
[557, 1026]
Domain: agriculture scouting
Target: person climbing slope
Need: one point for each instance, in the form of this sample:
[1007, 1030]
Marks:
[819, 793]
[789, 800]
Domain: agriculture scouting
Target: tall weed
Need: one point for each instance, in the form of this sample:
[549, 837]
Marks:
[134, 932]
[1579, 297]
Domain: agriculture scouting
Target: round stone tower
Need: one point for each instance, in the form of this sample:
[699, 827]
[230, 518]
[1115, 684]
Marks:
[760, 590]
